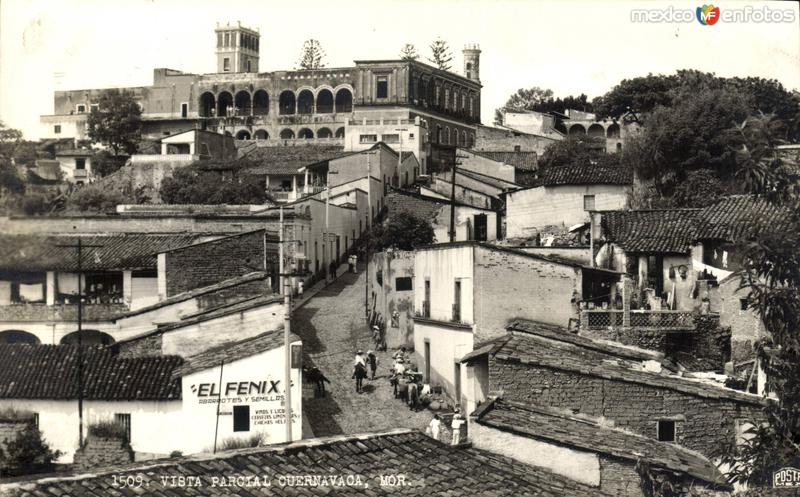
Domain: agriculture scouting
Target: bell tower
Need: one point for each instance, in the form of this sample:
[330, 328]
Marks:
[472, 61]
[237, 48]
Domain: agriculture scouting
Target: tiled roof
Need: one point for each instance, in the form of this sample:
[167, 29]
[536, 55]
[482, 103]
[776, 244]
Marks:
[230, 352]
[489, 180]
[116, 252]
[287, 160]
[662, 230]
[738, 216]
[422, 206]
[528, 348]
[585, 174]
[51, 372]
[526, 161]
[430, 468]
[581, 432]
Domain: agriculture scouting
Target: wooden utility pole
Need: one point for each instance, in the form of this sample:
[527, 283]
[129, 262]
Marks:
[80, 246]
[287, 323]
[369, 234]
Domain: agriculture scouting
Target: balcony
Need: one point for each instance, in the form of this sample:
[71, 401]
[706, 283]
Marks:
[615, 319]
[80, 174]
[59, 312]
[282, 195]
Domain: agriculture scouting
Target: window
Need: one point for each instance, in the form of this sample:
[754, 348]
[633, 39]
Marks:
[426, 304]
[516, 148]
[457, 302]
[81, 108]
[368, 138]
[57, 129]
[227, 39]
[241, 418]
[392, 138]
[666, 430]
[403, 284]
[219, 39]
[124, 420]
[226, 64]
[94, 107]
[184, 109]
[411, 136]
[249, 66]
[742, 304]
[382, 88]
[80, 163]
[457, 382]
[588, 202]
[296, 357]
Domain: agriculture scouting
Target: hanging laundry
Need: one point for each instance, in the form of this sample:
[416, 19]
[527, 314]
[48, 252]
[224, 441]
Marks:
[33, 292]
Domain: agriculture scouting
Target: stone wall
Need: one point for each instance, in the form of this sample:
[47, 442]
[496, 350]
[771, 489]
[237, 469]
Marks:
[702, 424]
[102, 452]
[208, 263]
[619, 478]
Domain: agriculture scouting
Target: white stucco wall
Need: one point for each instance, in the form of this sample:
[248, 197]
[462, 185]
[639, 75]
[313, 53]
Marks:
[442, 266]
[265, 398]
[156, 426]
[447, 346]
[534, 208]
[577, 465]
[465, 220]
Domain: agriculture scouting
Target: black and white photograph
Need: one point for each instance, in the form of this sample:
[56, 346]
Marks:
[419, 248]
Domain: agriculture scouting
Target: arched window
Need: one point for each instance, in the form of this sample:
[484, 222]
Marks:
[596, 131]
[88, 338]
[324, 102]
[305, 134]
[577, 130]
[260, 103]
[613, 131]
[287, 134]
[261, 134]
[207, 104]
[286, 103]
[340, 132]
[18, 336]
[243, 135]
[464, 140]
[447, 135]
[344, 100]
[243, 103]
[305, 102]
[324, 133]
[224, 104]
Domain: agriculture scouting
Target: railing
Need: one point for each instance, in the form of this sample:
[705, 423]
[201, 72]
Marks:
[612, 319]
[312, 189]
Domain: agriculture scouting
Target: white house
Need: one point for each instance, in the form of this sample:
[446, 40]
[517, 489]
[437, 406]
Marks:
[164, 402]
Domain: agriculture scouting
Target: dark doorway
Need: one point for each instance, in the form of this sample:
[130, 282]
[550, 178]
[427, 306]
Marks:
[481, 227]
[241, 418]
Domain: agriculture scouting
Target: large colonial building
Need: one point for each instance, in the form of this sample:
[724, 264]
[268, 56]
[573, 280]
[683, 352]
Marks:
[295, 105]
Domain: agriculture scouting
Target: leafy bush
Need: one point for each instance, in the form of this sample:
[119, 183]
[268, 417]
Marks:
[189, 185]
[254, 440]
[26, 453]
[402, 231]
[93, 198]
[108, 429]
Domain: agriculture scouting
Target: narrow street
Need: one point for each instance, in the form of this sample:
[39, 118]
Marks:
[332, 327]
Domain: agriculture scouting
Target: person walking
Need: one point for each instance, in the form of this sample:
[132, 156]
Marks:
[372, 360]
[332, 270]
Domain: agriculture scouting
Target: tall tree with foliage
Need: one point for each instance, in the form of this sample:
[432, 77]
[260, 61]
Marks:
[116, 122]
[312, 56]
[190, 185]
[771, 274]
[402, 231]
[441, 56]
[576, 150]
[409, 52]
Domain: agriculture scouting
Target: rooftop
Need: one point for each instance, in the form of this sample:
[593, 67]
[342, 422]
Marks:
[430, 468]
[287, 160]
[583, 432]
[130, 251]
[585, 174]
[422, 206]
[739, 216]
[51, 372]
[658, 230]
[526, 161]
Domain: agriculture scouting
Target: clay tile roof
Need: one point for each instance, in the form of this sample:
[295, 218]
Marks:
[429, 467]
[738, 216]
[661, 230]
[539, 351]
[287, 160]
[422, 206]
[526, 161]
[582, 432]
[585, 174]
[230, 352]
[51, 371]
[116, 252]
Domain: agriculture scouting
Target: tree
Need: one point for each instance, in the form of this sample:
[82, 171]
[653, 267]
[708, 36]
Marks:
[441, 56]
[189, 185]
[402, 231]
[312, 56]
[96, 198]
[771, 275]
[105, 163]
[26, 452]
[409, 52]
[10, 139]
[117, 122]
[541, 100]
[576, 150]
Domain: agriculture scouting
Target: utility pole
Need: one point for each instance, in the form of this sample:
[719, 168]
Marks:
[287, 323]
[400, 153]
[80, 246]
[369, 233]
[325, 236]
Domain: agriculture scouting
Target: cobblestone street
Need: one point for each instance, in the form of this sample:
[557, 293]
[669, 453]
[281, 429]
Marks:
[332, 327]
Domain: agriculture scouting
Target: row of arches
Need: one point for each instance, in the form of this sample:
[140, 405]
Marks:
[444, 96]
[595, 130]
[289, 134]
[444, 136]
[88, 338]
[243, 103]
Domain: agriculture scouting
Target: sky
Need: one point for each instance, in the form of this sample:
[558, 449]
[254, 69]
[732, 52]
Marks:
[570, 47]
